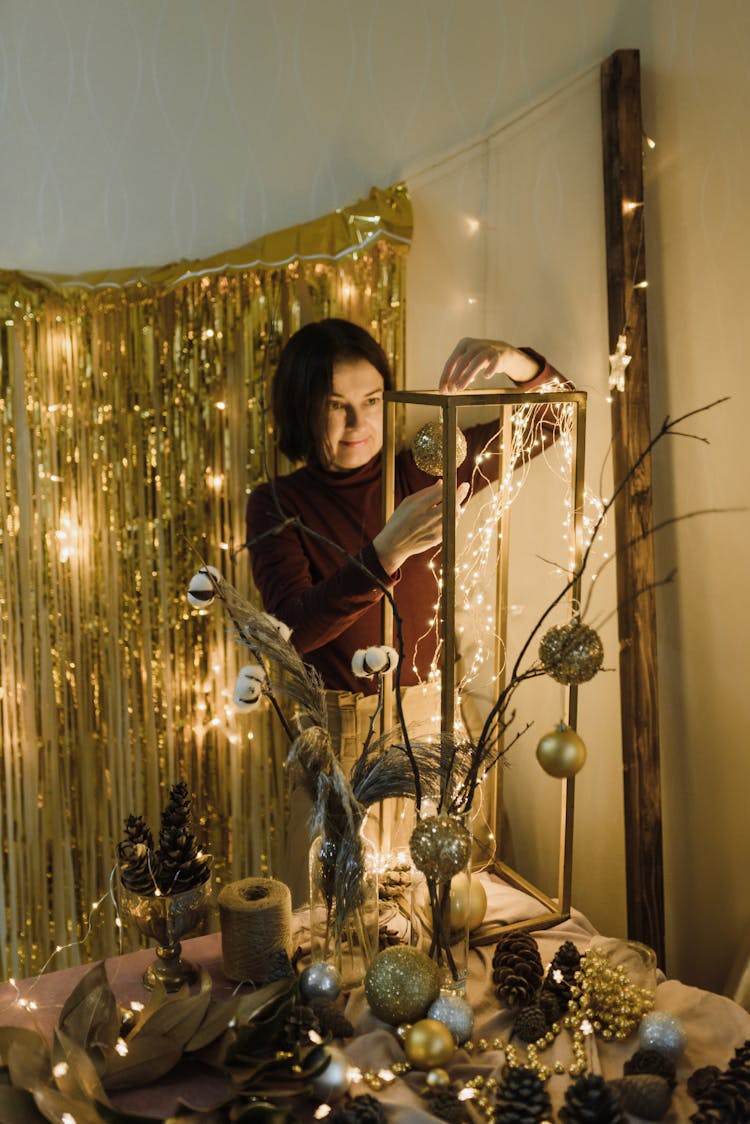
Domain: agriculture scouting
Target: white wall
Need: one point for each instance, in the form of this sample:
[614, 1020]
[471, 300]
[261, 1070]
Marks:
[142, 132]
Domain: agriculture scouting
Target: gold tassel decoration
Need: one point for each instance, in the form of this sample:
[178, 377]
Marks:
[132, 433]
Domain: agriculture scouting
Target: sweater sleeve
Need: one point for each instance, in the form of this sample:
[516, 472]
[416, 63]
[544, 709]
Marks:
[317, 611]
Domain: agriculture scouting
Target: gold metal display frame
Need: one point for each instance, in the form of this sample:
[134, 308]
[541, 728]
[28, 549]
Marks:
[555, 909]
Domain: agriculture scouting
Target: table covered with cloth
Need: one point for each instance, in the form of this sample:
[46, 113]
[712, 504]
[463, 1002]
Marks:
[715, 1025]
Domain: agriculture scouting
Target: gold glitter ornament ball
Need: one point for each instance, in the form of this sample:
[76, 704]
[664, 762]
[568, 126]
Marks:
[429, 1044]
[427, 448]
[571, 653]
[440, 846]
[401, 983]
[561, 752]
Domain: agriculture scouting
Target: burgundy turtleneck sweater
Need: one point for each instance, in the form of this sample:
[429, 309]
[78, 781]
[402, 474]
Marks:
[331, 604]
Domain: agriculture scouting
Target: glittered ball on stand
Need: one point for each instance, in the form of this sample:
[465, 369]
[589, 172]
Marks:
[661, 1031]
[456, 1013]
[429, 1043]
[561, 752]
[571, 653]
[427, 448]
[320, 981]
[332, 1083]
[401, 983]
[440, 846]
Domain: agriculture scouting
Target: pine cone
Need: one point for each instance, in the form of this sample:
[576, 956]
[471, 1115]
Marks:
[590, 1101]
[444, 1104]
[365, 1109]
[135, 871]
[700, 1081]
[281, 967]
[643, 1094]
[652, 1061]
[179, 866]
[549, 1004]
[518, 944]
[387, 938]
[332, 1019]
[297, 1027]
[567, 959]
[137, 831]
[530, 1023]
[517, 981]
[727, 1098]
[522, 1097]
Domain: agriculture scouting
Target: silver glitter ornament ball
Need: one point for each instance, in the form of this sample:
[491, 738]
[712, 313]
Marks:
[320, 981]
[456, 1013]
[661, 1031]
[440, 846]
[427, 448]
[571, 653]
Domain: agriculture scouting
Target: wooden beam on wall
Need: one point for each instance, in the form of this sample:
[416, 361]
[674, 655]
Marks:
[622, 147]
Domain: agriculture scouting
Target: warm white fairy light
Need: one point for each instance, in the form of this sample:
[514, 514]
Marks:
[322, 1111]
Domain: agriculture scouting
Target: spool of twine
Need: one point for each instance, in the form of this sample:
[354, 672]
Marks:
[256, 921]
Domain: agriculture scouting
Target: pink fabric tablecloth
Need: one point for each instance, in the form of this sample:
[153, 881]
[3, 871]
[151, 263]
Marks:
[715, 1025]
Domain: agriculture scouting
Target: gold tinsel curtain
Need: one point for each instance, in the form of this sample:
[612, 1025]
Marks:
[132, 433]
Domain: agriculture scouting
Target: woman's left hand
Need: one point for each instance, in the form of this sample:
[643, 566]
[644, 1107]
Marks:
[471, 357]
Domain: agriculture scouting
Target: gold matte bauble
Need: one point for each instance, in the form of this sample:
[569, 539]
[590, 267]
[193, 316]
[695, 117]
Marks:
[477, 903]
[429, 1043]
[401, 983]
[427, 448]
[440, 846]
[571, 653]
[561, 752]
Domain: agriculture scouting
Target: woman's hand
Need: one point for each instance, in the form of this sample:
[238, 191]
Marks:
[471, 357]
[416, 525]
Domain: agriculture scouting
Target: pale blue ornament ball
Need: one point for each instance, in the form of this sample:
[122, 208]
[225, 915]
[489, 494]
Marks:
[334, 1081]
[661, 1031]
[456, 1014]
[320, 981]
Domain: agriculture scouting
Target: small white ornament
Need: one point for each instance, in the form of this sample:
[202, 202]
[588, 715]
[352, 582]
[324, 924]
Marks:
[202, 590]
[248, 687]
[377, 660]
[283, 630]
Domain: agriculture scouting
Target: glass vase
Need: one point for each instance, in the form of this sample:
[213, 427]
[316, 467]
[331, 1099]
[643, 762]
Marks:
[344, 933]
[440, 922]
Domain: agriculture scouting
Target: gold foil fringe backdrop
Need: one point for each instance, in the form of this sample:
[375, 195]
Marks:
[132, 433]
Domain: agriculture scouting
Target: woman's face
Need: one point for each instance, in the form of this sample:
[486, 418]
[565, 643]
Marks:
[354, 426]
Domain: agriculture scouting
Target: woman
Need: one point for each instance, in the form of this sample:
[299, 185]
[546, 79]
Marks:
[324, 576]
[327, 407]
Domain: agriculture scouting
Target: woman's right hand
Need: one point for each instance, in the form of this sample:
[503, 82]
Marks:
[416, 525]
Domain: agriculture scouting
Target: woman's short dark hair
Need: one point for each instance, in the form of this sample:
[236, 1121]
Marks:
[304, 377]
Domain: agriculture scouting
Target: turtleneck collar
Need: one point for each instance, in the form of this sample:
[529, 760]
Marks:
[363, 475]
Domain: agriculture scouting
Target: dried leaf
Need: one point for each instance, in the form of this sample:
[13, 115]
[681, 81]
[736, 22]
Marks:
[252, 1005]
[58, 1109]
[175, 1016]
[149, 1057]
[90, 1012]
[17, 1107]
[265, 1113]
[24, 1037]
[28, 1067]
[216, 1022]
[113, 1115]
[81, 1078]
